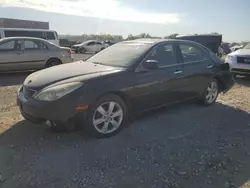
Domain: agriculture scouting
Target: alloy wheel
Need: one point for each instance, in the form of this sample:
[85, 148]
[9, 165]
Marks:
[212, 92]
[108, 117]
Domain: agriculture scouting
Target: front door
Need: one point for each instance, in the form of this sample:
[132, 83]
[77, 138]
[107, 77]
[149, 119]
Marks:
[159, 86]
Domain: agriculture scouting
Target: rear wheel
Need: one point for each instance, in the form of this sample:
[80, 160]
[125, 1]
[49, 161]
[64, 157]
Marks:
[107, 116]
[52, 62]
[211, 93]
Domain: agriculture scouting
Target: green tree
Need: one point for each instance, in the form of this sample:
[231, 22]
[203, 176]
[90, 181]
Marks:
[172, 36]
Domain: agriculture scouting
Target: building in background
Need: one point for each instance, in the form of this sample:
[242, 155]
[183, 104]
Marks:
[16, 23]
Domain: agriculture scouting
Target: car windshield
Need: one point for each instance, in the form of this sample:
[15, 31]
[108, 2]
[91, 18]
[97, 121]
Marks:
[121, 54]
[247, 46]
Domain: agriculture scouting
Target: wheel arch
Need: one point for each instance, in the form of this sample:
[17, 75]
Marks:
[53, 58]
[120, 94]
[221, 85]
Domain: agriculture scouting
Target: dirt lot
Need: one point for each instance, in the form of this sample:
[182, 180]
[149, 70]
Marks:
[183, 146]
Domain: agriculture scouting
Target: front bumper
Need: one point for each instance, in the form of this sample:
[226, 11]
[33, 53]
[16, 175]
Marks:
[36, 111]
[240, 68]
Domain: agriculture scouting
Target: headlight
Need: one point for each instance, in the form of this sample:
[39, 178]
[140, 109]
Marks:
[230, 59]
[52, 93]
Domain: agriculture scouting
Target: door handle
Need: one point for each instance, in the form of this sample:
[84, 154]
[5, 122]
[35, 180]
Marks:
[177, 72]
[210, 66]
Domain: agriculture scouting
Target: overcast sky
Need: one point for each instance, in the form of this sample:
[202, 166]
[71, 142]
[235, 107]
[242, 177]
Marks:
[158, 17]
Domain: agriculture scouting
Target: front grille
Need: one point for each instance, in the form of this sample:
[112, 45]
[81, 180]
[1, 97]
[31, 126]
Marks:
[28, 93]
[245, 60]
[243, 71]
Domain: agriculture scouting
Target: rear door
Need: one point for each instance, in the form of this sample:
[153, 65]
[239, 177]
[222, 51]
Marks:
[10, 51]
[99, 46]
[90, 47]
[160, 86]
[197, 68]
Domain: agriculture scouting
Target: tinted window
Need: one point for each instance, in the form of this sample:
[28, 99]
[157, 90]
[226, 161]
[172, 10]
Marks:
[11, 45]
[37, 34]
[122, 54]
[164, 54]
[50, 36]
[16, 33]
[98, 43]
[191, 53]
[91, 43]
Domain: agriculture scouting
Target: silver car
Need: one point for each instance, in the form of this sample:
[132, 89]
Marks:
[239, 61]
[25, 53]
[91, 46]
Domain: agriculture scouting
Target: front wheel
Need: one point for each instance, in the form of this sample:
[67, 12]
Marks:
[211, 93]
[107, 116]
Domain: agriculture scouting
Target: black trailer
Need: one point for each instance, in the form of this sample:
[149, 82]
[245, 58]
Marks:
[211, 41]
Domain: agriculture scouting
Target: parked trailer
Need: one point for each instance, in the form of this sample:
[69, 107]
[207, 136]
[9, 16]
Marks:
[211, 41]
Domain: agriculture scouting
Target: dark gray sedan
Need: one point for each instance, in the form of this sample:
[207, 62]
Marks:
[129, 77]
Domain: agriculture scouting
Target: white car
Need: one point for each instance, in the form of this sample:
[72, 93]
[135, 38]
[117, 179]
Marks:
[88, 46]
[239, 61]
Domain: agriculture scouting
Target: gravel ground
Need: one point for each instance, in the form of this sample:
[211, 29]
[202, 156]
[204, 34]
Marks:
[186, 145]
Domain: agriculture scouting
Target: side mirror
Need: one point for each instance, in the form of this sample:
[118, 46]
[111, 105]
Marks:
[150, 64]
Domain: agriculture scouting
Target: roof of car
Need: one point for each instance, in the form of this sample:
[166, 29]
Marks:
[7, 38]
[199, 35]
[156, 41]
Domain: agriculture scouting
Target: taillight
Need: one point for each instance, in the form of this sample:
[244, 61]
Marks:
[69, 51]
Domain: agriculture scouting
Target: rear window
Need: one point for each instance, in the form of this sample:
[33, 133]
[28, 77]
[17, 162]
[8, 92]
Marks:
[19, 33]
[213, 56]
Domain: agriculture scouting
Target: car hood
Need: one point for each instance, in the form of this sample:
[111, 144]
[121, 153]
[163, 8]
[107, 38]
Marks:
[62, 72]
[241, 52]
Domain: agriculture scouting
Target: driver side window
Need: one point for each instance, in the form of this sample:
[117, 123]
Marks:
[164, 54]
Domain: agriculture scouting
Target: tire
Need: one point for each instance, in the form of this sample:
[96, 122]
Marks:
[106, 128]
[82, 50]
[211, 93]
[53, 62]
[234, 75]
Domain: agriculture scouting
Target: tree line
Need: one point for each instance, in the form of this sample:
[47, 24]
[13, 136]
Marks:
[110, 37]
